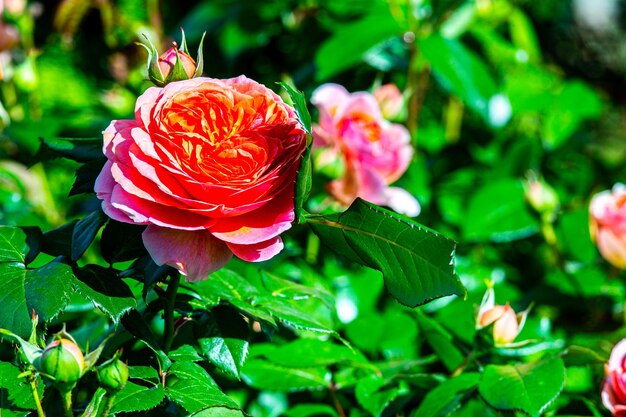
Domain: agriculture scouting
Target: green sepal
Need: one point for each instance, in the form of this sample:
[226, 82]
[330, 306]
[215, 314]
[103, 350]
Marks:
[31, 351]
[200, 59]
[154, 71]
[183, 43]
[178, 73]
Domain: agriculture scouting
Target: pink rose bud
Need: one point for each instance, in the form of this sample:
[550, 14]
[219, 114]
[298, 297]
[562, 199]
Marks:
[375, 152]
[209, 167]
[607, 213]
[168, 61]
[390, 100]
[506, 327]
[614, 386]
[174, 65]
[541, 196]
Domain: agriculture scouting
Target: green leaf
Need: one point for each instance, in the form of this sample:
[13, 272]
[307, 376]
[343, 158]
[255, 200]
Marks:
[134, 397]
[498, 212]
[460, 71]
[73, 239]
[12, 244]
[350, 42]
[218, 412]
[86, 176]
[105, 290]
[299, 104]
[374, 394]
[441, 341]
[191, 387]
[15, 392]
[223, 338]
[311, 410]
[265, 375]
[76, 149]
[416, 262]
[85, 232]
[529, 387]
[447, 397]
[121, 242]
[305, 172]
[45, 290]
[312, 352]
[582, 356]
[96, 405]
[134, 323]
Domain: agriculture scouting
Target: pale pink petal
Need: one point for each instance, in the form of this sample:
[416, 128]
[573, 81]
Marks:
[329, 97]
[104, 188]
[402, 201]
[260, 225]
[618, 355]
[258, 252]
[608, 398]
[612, 247]
[144, 106]
[117, 132]
[360, 102]
[194, 253]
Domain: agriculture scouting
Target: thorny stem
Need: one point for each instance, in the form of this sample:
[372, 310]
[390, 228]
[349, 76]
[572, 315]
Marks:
[170, 300]
[33, 386]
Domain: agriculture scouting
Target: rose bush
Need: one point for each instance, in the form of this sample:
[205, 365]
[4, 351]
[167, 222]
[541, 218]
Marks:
[209, 166]
[608, 224]
[614, 387]
[376, 152]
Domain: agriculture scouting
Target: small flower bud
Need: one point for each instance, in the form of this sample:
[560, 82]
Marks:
[113, 375]
[62, 362]
[541, 196]
[169, 60]
[505, 328]
[390, 100]
[174, 65]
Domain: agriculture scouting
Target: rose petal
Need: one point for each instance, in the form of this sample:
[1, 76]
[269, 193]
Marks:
[104, 188]
[194, 253]
[260, 225]
[258, 252]
[144, 212]
[402, 201]
[612, 247]
[618, 354]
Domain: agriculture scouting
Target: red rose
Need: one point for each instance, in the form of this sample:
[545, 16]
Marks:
[209, 165]
[614, 387]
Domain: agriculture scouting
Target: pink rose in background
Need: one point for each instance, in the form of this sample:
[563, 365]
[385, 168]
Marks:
[608, 224]
[209, 166]
[376, 152]
[614, 386]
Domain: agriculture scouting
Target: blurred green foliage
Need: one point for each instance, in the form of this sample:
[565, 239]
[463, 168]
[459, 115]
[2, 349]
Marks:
[498, 93]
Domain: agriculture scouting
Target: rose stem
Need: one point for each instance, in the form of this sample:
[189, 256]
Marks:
[108, 405]
[338, 407]
[170, 300]
[33, 387]
[67, 403]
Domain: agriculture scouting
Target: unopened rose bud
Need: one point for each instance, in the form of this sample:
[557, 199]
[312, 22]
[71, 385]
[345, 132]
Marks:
[174, 65]
[169, 60]
[113, 375]
[506, 326]
[541, 196]
[62, 362]
[390, 100]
